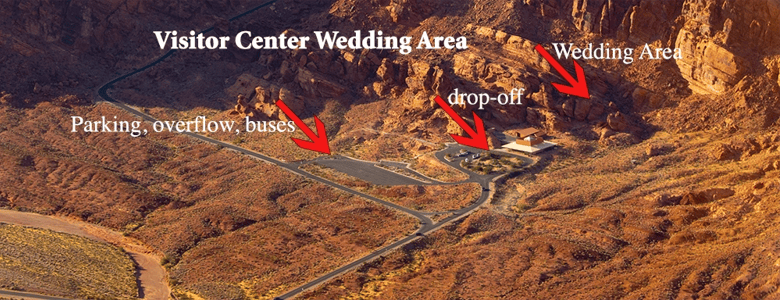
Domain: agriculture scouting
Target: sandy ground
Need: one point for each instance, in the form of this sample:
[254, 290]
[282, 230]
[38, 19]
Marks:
[151, 276]
[14, 295]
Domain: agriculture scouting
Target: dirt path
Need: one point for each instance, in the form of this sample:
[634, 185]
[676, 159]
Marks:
[151, 276]
[26, 296]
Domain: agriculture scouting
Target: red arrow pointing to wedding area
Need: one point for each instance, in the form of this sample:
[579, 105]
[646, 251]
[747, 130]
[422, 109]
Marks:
[577, 87]
[477, 138]
[319, 140]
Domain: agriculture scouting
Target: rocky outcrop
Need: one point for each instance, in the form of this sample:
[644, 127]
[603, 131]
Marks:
[707, 66]
[316, 85]
[357, 66]
[496, 74]
[256, 98]
[410, 11]
[718, 38]
[420, 78]
[651, 20]
[519, 48]
[593, 15]
[617, 121]
[386, 71]
[743, 147]
[545, 118]
[706, 196]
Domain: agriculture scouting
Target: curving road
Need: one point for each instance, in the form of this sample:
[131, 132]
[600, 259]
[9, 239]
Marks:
[426, 224]
[426, 228]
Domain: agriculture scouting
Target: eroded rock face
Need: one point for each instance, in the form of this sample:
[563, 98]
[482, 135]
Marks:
[520, 48]
[591, 15]
[718, 37]
[649, 21]
[606, 17]
[708, 67]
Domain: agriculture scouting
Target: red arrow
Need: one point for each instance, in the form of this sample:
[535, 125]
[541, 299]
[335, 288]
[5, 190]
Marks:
[577, 87]
[478, 137]
[319, 141]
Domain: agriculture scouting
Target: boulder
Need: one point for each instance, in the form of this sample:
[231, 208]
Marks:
[386, 71]
[723, 152]
[605, 133]
[596, 110]
[685, 215]
[582, 109]
[617, 121]
[653, 150]
[619, 139]
[381, 88]
[501, 37]
[716, 194]
[643, 99]
[693, 199]
[245, 85]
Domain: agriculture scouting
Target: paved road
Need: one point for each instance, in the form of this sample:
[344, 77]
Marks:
[365, 170]
[426, 228]
[152, 284]
[405, 166]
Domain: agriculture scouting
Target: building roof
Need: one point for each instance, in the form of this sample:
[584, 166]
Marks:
[523, 133]
[529, 149]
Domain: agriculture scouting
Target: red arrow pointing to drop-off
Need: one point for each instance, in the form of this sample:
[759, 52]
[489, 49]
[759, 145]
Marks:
[577, 87]
[319, 140]
[478, 137]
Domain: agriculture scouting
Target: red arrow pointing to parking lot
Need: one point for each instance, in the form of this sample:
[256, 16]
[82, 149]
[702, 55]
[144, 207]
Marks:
[319, 140]
[477, 136]
[577, 87]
